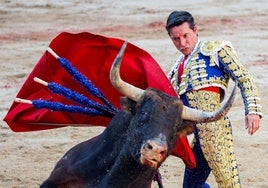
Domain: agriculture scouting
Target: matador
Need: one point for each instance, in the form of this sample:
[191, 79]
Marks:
[202, 84]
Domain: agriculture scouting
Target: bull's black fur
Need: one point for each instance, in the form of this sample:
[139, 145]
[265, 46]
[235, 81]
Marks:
[111, 159]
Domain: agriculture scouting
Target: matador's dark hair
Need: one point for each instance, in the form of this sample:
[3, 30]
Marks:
[177, 18]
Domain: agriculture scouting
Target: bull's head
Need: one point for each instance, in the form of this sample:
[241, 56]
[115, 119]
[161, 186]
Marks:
[160, 114]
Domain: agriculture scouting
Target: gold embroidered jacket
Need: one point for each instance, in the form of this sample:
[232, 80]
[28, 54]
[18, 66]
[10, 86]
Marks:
[213, 63]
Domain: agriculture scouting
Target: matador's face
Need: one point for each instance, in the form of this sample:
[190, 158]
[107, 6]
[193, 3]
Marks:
[184, 38]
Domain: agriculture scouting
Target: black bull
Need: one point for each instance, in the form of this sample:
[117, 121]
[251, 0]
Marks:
[136, 142]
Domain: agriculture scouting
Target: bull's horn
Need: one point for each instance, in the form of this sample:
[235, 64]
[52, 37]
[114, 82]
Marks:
[126, 89]
[200, 116]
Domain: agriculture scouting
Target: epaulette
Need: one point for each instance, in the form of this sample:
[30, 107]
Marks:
[209, 48]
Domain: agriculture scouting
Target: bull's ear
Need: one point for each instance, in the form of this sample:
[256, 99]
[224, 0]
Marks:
[127, 105]
[186, 128]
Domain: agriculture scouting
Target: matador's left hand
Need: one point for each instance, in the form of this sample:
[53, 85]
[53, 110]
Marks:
[252, 123]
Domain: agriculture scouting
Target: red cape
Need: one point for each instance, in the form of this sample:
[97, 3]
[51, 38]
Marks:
[92, 55]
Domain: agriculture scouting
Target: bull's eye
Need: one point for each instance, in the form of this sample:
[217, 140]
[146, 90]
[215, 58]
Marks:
[164, 108]
[144, 116]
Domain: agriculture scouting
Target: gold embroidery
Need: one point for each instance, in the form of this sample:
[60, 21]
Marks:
[246, 84]
[212, 62]
[216, 139]
[211, 46]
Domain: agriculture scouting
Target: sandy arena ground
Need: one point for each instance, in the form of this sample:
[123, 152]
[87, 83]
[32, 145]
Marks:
[27, 27]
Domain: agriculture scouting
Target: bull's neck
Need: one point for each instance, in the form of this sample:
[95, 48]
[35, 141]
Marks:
[127, 172]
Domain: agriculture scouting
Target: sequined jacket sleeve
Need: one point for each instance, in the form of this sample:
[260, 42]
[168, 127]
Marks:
[229, 62]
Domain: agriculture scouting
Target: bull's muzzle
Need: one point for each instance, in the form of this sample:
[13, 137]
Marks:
[153, 153]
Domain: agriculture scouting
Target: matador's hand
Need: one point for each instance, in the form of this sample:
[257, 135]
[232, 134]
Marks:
[252, 123]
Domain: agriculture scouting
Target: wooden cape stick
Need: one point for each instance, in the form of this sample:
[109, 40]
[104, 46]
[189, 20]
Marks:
[20, 100]
[26, 101]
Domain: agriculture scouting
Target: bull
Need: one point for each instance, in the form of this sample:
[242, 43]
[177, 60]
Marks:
[135, 143]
